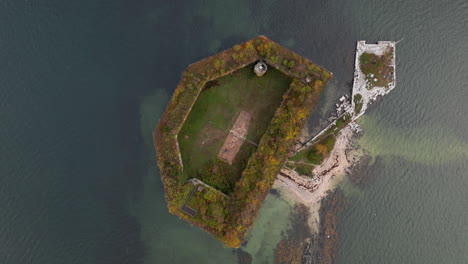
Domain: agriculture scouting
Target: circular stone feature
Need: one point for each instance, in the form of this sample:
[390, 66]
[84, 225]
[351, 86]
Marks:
[260, 68]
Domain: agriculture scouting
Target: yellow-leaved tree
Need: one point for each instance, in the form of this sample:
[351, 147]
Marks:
[322, 149]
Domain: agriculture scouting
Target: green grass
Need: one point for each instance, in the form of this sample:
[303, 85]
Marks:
[329, 142]
[214, 113]
[379, 66]
[311, 155]
[341, 123]
[302, 168]
[328, 138]
[357, 103]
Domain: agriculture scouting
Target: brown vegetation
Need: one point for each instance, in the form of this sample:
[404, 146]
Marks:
[295, 244]
[331, 210]
[301, 246]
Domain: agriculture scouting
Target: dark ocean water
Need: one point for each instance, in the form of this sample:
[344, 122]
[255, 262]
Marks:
[83, 83]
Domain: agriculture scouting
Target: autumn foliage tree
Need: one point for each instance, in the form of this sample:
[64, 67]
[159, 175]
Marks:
[321, 149]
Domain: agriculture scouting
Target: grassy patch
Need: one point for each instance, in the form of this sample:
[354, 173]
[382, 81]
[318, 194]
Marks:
[215, 112]
[341, 123]
[377, 69]
[329, 142]
[357, 103]
[302, 168]
[289, 165]
[316, 153]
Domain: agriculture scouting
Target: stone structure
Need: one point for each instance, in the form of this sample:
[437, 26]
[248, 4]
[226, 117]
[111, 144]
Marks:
[260, 68]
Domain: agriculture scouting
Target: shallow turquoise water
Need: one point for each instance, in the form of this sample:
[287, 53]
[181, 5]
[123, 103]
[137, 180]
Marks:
[83, 84]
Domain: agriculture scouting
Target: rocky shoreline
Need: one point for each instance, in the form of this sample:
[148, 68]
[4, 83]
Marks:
[340, 159]
[360, 85]
[312, 191]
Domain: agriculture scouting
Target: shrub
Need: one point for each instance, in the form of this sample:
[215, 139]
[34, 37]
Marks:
[339, 122]
[329, 142]
[357, 103]
[314, 157]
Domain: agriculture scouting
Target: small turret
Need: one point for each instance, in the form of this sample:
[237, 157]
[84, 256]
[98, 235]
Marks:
[260, 68]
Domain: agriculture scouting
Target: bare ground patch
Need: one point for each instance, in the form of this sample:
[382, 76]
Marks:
[236, 138]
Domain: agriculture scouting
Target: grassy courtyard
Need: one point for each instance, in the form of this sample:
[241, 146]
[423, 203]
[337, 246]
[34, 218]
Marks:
[215, 112]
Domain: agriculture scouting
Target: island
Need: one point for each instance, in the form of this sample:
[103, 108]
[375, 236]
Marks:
[234, 128]
[229, 129]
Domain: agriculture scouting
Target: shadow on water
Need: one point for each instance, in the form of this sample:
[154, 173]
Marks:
[123, 244]
[134, 146]
[275, 193]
